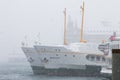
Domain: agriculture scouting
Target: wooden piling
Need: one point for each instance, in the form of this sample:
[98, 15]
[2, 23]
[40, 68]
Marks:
[116, 64]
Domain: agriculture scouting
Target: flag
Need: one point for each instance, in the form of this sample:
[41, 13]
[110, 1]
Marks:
[112, 38]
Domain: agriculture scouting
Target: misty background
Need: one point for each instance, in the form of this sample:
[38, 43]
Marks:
[20, 19]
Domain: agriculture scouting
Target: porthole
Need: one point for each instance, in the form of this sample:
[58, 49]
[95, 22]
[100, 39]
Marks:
[73, 55]
[65, 55]
[98, 58]
[103, 59]
[59, 50]
[92, 58]
[56, 50]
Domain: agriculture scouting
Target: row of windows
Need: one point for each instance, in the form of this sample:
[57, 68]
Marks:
[115, 46]
[95, 58]
[103, 47]
[64, 55]
[57, 50]
[109, 61]
[91, 58]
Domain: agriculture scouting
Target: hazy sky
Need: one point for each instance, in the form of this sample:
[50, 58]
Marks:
[19, 18]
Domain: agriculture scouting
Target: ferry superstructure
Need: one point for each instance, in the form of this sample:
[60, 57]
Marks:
[82, 58]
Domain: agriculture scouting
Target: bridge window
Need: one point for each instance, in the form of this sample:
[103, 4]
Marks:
[73, 55]
[92, 58]
[98, 58]
[103, 59]
[57, 50]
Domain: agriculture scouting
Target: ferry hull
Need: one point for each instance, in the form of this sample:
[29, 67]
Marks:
[89, 71]
[61, 64]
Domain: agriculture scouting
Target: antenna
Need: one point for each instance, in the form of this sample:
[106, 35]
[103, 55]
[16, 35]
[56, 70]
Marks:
[26, 40]
[82, 24]
[38, 38]
[65, 42]
[37, 42]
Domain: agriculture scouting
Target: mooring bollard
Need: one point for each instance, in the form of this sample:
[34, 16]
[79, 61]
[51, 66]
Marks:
[116, 64]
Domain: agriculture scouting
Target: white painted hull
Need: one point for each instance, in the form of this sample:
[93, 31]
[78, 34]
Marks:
[32, 56]
[59, 63]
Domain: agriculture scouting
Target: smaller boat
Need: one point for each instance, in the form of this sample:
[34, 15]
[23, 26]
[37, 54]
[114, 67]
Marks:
[106, 73]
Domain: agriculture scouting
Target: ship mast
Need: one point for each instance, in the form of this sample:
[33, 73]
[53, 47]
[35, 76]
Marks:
[65, 42]
[82, 24]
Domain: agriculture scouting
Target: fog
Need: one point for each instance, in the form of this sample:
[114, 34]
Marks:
[20, 18]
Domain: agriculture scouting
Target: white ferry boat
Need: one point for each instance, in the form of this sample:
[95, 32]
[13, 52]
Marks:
[82, 58]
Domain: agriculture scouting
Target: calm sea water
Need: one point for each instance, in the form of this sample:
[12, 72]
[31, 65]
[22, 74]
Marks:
[18, 71]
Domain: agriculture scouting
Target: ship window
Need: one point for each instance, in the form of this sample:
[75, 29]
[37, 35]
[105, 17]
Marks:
[59, 50]
[65, 55]
[110, 61]
[92, 58]
[73, 55]
[55, 49]
[98, 58]
[103, 59]
[87, 57]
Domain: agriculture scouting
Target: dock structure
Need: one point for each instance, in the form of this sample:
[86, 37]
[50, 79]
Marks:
[116, 64]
